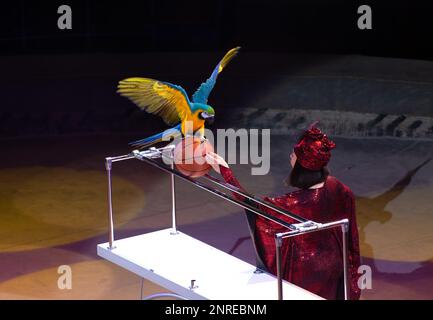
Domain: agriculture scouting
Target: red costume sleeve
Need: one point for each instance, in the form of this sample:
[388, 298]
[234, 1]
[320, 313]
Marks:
[229, 177]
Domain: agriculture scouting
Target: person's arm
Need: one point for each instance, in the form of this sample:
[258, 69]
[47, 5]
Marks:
[221, 166]
[230, 178]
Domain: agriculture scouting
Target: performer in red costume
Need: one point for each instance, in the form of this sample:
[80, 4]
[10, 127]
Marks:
[312, 261]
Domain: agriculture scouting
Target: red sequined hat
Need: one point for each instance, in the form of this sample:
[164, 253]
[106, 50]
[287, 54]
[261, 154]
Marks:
[313, 149]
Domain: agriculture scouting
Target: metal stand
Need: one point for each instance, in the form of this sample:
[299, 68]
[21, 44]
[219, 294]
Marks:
[278, 244]
[173, 197]
[159, 295]
[345, 232]
[108, 166]
[303, 226]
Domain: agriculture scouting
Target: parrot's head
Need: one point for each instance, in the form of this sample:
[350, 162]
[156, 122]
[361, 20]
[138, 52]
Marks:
[204, 112]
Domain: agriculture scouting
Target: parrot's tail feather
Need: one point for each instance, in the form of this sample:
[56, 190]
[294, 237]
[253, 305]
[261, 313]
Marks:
[144, 143]
[167, 135]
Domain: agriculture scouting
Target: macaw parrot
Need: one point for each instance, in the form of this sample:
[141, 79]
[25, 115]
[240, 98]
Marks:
[172, 104]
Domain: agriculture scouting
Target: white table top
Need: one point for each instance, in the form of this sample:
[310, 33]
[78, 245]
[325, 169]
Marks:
[172, 261]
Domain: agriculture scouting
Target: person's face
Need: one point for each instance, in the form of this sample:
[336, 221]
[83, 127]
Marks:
[292, 159]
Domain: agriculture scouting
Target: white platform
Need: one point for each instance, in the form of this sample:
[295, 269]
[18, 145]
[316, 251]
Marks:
[172, 261]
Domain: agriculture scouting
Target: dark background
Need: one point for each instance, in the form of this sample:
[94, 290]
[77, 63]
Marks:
[400, 28]
[295, 54]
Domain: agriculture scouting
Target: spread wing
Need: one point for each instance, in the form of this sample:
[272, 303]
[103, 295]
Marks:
[202, 93]
[164, 99]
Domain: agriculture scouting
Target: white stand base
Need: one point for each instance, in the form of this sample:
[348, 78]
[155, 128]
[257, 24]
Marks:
[173, 260]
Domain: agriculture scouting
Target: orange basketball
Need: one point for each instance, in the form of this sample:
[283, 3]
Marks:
[189, 156]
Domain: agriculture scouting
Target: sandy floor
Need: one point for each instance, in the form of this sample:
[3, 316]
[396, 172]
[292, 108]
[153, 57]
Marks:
[53, 212]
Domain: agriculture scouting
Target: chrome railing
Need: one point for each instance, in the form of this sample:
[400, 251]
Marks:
[153, 156]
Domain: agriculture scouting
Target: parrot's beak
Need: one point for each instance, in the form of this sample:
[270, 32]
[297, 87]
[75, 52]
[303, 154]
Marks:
[209, 118]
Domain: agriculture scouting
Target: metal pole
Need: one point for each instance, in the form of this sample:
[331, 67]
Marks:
[322, 226]
[278, 243]
[141, 291]
[345, 232]
[173, 197]
[164, 295]
[217, 193]
[236, 190]
[108, 165]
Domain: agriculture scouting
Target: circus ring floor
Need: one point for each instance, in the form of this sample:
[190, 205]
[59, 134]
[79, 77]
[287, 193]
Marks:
[53, 212]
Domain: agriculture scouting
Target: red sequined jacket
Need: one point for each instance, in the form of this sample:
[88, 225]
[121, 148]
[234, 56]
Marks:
[312, 261]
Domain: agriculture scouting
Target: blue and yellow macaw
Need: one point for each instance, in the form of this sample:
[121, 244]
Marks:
[171, 103]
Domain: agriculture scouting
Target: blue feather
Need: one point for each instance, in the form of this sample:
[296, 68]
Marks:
[175, 131]
[203, 92]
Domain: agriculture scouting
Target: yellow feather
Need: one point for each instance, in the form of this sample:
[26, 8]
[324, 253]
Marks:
[228, 57]
[156, 97]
